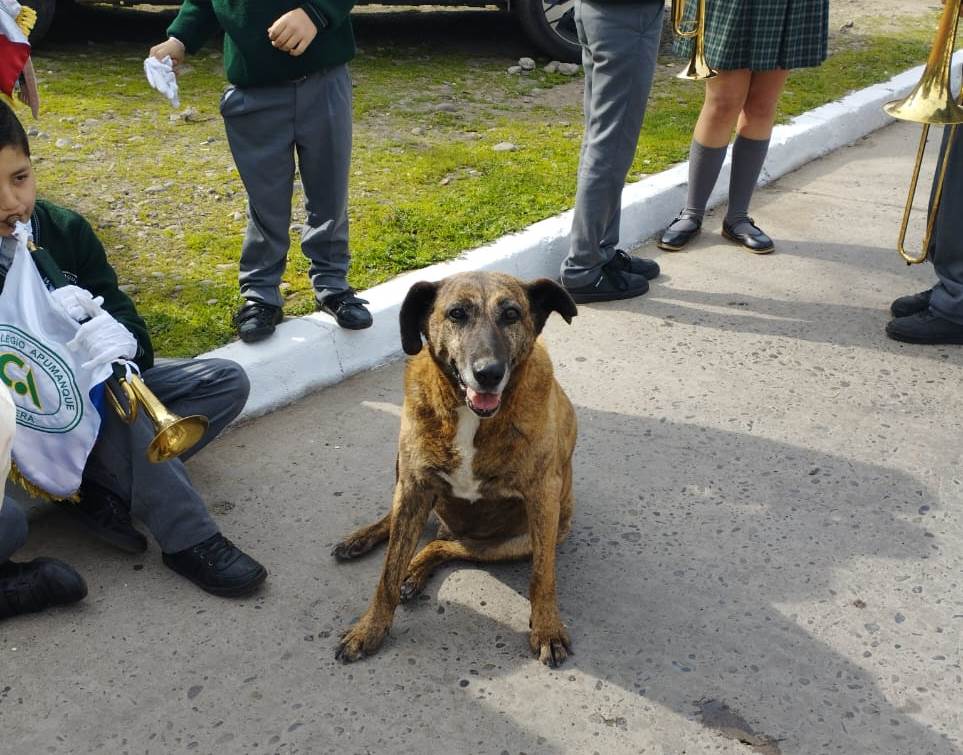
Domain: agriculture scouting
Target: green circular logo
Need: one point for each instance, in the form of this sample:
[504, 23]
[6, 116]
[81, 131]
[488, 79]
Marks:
[42, 384]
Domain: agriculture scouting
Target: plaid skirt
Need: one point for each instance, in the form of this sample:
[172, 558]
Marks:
[761, 35]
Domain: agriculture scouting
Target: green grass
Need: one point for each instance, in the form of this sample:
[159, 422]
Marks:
[425, 185]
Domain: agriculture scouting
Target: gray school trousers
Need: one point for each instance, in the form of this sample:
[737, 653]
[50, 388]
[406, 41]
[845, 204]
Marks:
[161, 495]
[266, 127]
[946, 246]
[620, 47]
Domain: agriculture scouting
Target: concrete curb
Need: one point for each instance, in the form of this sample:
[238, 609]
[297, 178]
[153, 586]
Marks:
[311, 352]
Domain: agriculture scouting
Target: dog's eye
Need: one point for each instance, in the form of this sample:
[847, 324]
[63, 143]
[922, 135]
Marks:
[457, 314]
[512, 315]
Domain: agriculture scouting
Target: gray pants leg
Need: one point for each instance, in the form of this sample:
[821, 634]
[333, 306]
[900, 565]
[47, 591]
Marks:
[322, 134]
[265, 126]
[13, 529]
[947, 245]
[161, 495]
[620, 45]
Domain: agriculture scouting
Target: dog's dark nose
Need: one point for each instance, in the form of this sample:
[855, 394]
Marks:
[488, 374]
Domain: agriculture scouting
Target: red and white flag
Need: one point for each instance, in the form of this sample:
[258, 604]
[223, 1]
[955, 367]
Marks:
[16, 70]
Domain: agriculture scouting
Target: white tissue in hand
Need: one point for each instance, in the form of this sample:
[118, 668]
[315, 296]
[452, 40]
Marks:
[160, 75]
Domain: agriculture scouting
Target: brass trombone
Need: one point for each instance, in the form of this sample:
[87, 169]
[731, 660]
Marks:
[698, 67]
[174, 434]
[931, 102]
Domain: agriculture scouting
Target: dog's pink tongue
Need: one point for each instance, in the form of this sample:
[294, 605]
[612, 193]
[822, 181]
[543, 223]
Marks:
[484, 401]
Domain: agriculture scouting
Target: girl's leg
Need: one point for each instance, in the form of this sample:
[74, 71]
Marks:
[752, 143]
[724, 100]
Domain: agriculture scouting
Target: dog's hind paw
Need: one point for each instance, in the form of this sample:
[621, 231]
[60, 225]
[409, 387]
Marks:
[552, 647]
[350, 549]
[411, 588]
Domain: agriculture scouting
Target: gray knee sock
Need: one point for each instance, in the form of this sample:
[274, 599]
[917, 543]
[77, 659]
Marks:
[748, 155]
[704, 166]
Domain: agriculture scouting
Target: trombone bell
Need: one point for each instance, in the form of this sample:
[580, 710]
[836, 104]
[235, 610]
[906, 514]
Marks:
[174, 434]
[931, 103]
[176, 437]
[698, 67]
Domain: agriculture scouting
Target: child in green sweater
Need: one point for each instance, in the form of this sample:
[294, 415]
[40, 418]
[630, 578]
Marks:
[118, 479]
[289, 96]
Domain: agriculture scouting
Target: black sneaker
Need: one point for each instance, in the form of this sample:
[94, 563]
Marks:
[107, 516]
[347, 309]
[910, 305]
[613, 283]
[256, 320]
[924, 327]
[648, 269]
[36, 585]
[219, 567]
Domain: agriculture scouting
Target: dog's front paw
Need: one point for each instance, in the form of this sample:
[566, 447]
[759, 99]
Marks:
[551, 644]
[363, 639]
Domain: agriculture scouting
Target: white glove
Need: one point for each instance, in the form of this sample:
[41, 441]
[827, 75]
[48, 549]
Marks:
[103, 340]
[160, 75]
[78, 302]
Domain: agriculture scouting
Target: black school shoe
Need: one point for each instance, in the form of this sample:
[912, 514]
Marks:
[35, 585]
[674, 240]
[910, 305]
[648, 269]
[106, 516]
[219, 567]
[347, 309]
[613, 283]
[256, 320]
[924, 327]
[755, 241]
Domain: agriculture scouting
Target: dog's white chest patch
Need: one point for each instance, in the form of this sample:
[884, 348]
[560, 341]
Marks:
[462, 480]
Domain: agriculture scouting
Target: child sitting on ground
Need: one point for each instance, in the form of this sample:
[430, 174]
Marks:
[118, 479]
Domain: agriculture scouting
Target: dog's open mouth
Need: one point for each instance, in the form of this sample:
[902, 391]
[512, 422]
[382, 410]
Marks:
[483, 404]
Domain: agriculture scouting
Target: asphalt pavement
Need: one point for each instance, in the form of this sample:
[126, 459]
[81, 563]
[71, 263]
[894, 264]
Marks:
[767, 542]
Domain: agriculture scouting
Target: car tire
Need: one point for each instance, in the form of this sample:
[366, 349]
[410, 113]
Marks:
[550, 24]
[45, 16]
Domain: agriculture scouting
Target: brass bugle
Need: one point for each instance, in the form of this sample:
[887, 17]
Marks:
[173, 434]
[931, 103]
[698, 67]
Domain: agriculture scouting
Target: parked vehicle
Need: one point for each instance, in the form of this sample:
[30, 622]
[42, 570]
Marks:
[550, 24]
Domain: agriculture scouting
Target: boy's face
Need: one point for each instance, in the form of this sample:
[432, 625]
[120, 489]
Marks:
[18, 189]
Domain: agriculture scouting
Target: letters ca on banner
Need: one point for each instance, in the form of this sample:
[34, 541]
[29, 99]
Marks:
[43, 386]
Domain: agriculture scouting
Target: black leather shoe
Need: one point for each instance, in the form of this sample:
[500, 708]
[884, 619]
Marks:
[613, 283]
[910, 305]
[107, 516]
[674, 240]
[754, 241]
[256, 320]
[348, 310]
[924, 327]
[219, 567]
[35, 585]
[648, 269]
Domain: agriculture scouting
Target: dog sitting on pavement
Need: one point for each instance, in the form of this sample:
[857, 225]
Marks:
[487, 436]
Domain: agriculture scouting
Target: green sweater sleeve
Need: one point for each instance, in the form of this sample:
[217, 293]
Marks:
[195, 24]
[328, 14]
[96, 275]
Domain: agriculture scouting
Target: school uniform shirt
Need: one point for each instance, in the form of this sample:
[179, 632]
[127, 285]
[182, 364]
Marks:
[72, 244]
[249, 58]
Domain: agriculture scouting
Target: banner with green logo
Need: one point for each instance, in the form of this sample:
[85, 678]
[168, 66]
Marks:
[56, 417]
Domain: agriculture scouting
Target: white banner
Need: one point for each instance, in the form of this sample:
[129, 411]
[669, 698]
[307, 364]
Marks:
[58, 421]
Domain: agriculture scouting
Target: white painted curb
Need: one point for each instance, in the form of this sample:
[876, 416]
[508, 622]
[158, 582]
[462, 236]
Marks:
[311, 352]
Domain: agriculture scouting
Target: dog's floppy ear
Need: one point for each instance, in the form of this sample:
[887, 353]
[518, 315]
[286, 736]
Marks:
[546, 296]
[414, 310]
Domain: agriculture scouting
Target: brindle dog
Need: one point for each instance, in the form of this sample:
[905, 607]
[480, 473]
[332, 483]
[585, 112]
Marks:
[486, 442]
